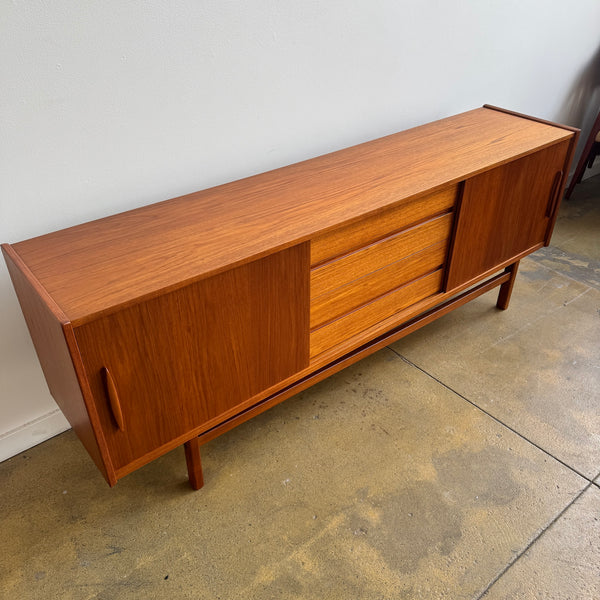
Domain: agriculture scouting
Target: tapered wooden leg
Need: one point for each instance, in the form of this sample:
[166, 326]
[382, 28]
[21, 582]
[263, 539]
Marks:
[194, 465]
[507, 287]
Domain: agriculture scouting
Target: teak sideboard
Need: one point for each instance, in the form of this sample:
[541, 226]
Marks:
[170, 324]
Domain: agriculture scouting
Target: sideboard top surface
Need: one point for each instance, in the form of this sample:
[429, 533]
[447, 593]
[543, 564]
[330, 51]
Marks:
[92, 268]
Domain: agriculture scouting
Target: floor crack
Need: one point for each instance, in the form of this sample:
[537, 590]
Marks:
[499, 421]
[532, 542]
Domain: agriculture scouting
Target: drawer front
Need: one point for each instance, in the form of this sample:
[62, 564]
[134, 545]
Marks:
[396, 247]
[343, 299]
[357, 321]
[366, 231]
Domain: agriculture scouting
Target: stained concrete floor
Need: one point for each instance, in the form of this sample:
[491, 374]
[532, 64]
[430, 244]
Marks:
[462, 462]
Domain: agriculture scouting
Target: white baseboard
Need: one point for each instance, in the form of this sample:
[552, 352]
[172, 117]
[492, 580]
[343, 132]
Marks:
[30, 434]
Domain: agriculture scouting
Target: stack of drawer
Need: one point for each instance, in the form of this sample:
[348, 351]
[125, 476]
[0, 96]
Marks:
[365, 272]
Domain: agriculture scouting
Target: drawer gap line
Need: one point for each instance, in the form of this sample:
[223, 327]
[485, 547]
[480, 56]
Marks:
[411, 282]
[390, 235]
[353, 281]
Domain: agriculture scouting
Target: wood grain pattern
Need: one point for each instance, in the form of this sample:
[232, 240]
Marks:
[353, 266]
[349, 325]
[171, 244]
[332, 363]
[355, 293]
[188, 357]
[361, 344]
[51, 332]
[349, 238]
[503, 212]
[429, 305]
[185, 317]
[574, 130]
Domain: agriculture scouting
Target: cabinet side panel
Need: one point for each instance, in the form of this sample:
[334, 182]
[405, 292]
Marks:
[48, 330]
[566, 170]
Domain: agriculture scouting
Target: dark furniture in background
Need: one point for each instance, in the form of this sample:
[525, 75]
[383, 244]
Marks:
[590, 151]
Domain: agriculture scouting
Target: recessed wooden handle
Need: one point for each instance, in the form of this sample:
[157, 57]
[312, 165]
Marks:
[113, 397]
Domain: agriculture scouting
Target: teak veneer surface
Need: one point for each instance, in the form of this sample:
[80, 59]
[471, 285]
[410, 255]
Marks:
[357, 292]
[349, 238]
[376, 256]
[394, 302]
[519, 201]
[93, 268]
[186, 358]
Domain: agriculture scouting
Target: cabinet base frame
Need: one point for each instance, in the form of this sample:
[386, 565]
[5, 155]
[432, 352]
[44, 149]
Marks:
[504, 279]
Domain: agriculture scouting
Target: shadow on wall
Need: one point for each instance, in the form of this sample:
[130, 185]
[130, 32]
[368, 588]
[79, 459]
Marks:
[582, 103]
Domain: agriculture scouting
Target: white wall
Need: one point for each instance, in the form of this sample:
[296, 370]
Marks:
[107, 105]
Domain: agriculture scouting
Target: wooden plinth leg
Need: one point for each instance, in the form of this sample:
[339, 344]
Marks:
[194, 465]
[507, 287]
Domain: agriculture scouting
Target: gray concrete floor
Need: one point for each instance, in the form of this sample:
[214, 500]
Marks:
[461, 462]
